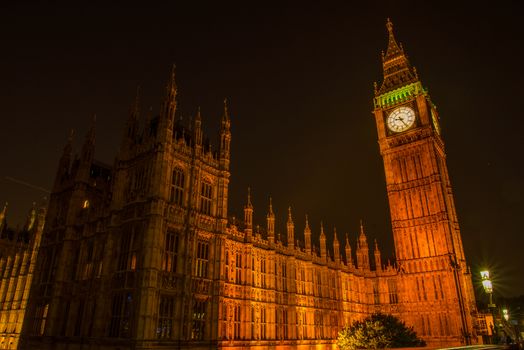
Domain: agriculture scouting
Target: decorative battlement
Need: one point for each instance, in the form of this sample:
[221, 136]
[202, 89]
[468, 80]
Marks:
[401, 95]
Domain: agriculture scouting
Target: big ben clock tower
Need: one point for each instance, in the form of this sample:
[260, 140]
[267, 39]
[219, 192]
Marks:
[437, 297]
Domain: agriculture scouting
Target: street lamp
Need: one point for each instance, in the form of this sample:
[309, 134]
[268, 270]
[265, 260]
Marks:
[505, 313]
[488, 286]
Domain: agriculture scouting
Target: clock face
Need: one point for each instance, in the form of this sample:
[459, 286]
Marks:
[401, 119]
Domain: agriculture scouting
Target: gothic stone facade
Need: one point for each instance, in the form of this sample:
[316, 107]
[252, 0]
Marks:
[18, 252]
[141, 255]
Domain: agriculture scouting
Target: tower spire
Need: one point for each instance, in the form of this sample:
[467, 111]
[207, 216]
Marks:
[336, 246]
[323, 250]
[307, 236]
[170, 102]
[349, 258]
[270, 223]
[378, 260]
[198, 128]
[225, 137]
[248, 215]
[290, 230]
[395, 64]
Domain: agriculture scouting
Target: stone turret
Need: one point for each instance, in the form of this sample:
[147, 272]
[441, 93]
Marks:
[323, 250]
[290, 230]
[248, 216]
[336, 247]
[362, 250]
[349, 258]
[378, 262]
[270, 223]
[307, 236]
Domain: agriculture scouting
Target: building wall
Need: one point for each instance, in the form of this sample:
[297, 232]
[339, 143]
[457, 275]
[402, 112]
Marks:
[18, 250]
[142, 254]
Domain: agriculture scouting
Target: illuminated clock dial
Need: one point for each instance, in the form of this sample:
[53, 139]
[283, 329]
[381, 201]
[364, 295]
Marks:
[401, 119]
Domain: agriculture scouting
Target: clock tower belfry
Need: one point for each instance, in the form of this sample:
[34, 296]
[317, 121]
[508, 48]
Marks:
[437, 296]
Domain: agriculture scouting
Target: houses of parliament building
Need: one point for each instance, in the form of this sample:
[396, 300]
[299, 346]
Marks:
[142, 255]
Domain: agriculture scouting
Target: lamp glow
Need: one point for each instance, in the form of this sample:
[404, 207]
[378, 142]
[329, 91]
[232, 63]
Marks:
[488, 286]
[505, 313]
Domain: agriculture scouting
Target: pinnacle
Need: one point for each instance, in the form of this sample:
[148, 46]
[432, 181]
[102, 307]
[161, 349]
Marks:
[397, 69]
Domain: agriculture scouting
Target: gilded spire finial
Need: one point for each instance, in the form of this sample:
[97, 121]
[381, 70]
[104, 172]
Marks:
[321, 229]
[335, 239]
[270, 205]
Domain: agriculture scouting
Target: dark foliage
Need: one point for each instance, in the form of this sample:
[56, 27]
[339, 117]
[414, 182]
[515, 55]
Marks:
[378, 331]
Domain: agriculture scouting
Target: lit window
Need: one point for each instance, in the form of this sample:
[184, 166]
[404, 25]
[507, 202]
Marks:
[85, 205]
[200, 268]
[165, 317]
[169, 262]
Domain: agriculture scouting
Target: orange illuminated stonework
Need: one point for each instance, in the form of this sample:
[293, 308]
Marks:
[18, 250]
[437, 293]
[143, 255]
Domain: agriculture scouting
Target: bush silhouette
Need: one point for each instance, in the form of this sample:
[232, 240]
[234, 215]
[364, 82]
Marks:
[376, 332]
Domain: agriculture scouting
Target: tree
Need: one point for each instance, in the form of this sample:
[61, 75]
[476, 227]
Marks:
[378, 331]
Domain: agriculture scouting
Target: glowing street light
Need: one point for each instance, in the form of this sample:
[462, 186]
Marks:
[505, 313]
[488, 286]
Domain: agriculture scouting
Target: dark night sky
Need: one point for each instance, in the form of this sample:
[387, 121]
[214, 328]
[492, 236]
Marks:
[299, 78]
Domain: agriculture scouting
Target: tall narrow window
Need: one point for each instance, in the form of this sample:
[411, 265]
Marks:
[263, 272]
[238, 269]
[127, 256]
[121, 309]
[226, 267]
[202, 259]
[376, 293]
[284, 276]
[392, 289]
[263, 323]
[177, 187]
[237, 322]
[169, 261]
[40, 319]
[165, 317]
[206, 195]
[284, 324]
[199, 317]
